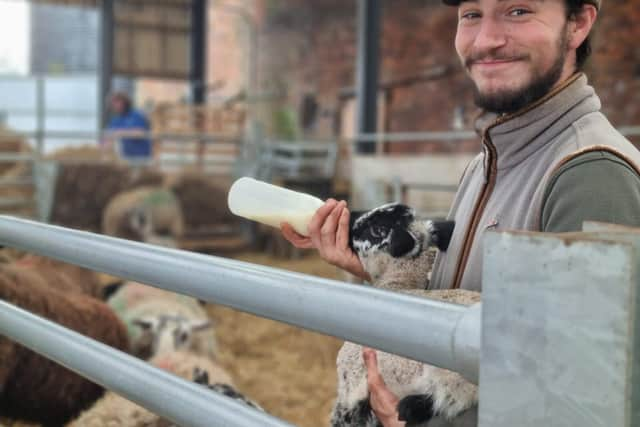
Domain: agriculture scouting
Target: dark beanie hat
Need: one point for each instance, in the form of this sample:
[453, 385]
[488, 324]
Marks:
[596, 3]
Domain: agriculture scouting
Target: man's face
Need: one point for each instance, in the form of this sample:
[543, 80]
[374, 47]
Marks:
[117, 105]
[515, 51]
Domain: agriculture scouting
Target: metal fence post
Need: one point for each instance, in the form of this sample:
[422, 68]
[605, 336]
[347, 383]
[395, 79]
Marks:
[558, 331]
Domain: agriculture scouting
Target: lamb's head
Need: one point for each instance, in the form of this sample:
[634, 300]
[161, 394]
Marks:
[168, 333]
[143, 229]
[395, 247]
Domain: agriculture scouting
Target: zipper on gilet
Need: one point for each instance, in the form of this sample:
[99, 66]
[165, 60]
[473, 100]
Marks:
[491, 172]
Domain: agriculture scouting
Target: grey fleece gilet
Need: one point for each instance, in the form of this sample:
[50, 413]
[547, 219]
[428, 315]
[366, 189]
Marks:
[504, 187]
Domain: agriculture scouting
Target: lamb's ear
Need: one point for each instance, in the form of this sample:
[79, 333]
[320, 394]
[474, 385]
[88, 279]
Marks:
[441, 232]
[200, 376]
[402, 242]
[353, 217]
[109, 290]
[199, 325]
[145, 323]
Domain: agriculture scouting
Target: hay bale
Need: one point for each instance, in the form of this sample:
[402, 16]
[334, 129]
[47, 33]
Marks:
[11, 143]
[83, 153]
[18, 171]
[83, 191]
[146, 178]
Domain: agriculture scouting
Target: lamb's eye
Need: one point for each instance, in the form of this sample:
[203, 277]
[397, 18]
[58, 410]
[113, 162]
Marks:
[378, 232]
[181, 336]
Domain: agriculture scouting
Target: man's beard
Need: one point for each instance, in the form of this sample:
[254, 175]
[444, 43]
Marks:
[510, 101]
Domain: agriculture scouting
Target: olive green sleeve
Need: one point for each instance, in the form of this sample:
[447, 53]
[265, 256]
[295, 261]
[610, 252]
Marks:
[595, 186]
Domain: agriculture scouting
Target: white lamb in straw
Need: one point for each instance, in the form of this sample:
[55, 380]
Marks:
[159, 321]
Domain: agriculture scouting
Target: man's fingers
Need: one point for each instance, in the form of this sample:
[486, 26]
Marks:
[374, 379]
[318, 221]
[330, 226]
[342, 238]
[321, 214]
[297, 240]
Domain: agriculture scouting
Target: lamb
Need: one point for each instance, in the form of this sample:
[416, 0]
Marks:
[149, 214]
[32, 387]
[115, 410]
[397, 251]
[159, 321]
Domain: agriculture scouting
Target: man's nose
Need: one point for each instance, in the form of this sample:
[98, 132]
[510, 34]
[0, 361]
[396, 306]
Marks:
[491, 35]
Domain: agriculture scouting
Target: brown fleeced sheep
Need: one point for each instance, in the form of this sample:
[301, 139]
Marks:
[61, 276]
[32, 387]
[144, 214]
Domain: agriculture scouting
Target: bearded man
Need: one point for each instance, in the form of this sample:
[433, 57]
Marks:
[550, 159]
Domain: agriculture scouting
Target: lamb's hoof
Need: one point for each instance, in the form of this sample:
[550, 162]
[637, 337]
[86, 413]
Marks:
[415, 409]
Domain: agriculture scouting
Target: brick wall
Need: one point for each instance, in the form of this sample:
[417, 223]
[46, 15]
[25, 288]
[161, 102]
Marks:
[310, 47]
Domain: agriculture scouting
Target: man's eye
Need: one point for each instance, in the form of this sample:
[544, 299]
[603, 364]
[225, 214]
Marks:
[519, 12]
[469, 15]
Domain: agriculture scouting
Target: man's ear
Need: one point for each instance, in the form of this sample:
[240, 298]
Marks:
[401, 243]
[441, 232]
[580, 25]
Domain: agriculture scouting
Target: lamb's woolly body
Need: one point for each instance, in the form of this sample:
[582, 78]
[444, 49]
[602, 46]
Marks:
[32, 387]
[134, 301]
[451, 393]
[158, 207]
[115, 410]
[445, 392]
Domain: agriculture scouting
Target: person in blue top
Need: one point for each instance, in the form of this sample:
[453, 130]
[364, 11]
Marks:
[130, 127]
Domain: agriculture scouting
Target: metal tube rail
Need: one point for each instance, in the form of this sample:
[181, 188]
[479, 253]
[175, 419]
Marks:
[424, 186]
[206, 137]
[445, 335]
[181, 401]
[442, 137]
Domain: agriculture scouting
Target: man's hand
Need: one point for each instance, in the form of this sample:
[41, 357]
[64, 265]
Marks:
[329, 234]
[383, 402]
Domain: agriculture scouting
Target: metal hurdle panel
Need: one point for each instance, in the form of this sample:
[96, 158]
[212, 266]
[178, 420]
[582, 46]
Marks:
[558, 323]
[443, 334]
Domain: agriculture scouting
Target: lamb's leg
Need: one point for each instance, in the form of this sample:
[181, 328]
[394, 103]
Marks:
[227, 390]
[416, 409]
[361, 415]
[442, 393]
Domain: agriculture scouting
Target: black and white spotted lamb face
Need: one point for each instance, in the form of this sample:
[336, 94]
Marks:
[396, 248]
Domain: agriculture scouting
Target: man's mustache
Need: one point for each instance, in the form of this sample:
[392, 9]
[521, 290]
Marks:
[487, 57]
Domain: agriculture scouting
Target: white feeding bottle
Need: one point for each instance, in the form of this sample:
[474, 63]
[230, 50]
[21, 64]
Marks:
[272, 205]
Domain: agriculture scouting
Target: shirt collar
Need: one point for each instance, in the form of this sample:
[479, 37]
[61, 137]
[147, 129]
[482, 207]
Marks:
[516, 136]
